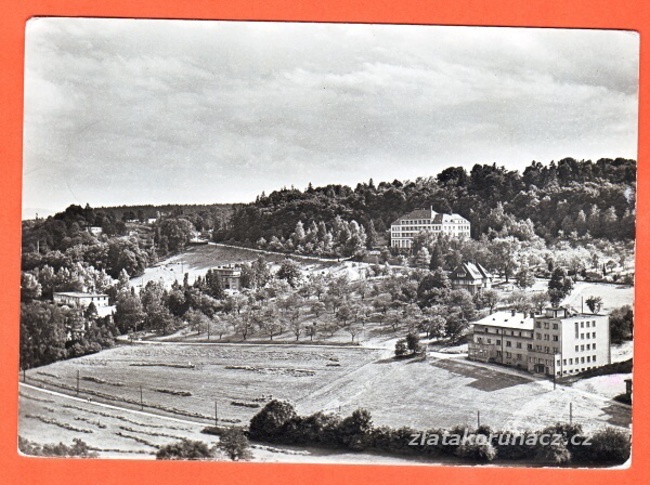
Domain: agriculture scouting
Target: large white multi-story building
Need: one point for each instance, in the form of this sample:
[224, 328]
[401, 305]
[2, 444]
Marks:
[404, 229]
[80, 299]
[556, 343]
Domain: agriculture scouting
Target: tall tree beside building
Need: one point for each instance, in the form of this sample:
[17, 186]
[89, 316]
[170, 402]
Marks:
[559, 286]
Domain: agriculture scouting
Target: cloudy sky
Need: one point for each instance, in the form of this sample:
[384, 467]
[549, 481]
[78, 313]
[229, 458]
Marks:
[139, 111]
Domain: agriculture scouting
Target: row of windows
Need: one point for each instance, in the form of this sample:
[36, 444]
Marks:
[518, 345]
[514, 333]
[546, 336]
[581, 348]
[538, 324]
[576, 371]
[539, 360]
[587, 335]
[586, 324]
[579, 360]
[546, 350]
[429, 222]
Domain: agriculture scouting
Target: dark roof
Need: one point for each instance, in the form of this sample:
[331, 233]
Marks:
[429, 215]
[418, 214]
[473, 270]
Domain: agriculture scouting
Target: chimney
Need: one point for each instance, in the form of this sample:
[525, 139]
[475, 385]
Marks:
[513, 312]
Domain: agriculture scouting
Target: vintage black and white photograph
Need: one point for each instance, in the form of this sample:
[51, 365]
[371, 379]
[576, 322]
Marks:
[328, 243]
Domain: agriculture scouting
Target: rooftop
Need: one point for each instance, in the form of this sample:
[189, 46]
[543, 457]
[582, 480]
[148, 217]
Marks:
[430, 215]
[505, 319]
[80, 294]
[474, 270]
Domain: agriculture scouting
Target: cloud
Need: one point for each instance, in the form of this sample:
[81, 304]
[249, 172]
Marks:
[143, 111]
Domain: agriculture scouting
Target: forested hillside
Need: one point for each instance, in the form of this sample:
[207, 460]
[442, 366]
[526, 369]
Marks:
[559, 199]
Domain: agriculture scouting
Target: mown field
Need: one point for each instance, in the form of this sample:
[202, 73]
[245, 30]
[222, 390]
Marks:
[185, 380]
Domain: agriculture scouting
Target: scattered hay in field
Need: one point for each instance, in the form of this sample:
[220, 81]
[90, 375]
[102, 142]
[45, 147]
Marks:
[162, 364]
[173, 392]
[151, 433]
[101, 381]
[118, 450]
[285, 371]
[99, 424]
[245, 404]
[47, 374]
[138, 439]
[332, 364]
[54, 422]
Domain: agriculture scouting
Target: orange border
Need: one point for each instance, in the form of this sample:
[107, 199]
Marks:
[629, 14]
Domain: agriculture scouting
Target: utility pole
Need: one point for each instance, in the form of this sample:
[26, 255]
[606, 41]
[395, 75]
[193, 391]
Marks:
[570, 413]
[141, 401]
[478, 419]
[77, 382]
[216, 414]
[24, 375]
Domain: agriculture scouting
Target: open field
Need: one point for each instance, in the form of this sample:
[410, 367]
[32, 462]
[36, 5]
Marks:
[450, 390]
[240, 377]
[197, 260]
[184, 381]
[614, 296]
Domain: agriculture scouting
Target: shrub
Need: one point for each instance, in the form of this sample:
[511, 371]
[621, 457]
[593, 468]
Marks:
[478, 450]
[400, 348]
[78, 449]
[610, 446]
[268, 423]
[513, 446]
[555, 453]
[185, 450]
[234, 443]
[354, 430]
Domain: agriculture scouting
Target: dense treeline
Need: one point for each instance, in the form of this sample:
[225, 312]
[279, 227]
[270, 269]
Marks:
[559, 444]
[558, 199]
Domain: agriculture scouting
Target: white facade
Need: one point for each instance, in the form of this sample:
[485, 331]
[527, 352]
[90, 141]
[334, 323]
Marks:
[556, 343]
[404, 229]
[78, 299]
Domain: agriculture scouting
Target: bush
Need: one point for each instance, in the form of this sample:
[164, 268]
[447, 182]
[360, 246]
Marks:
[354, 431]
[269, 422]
[513, 446]
[234, 443]
[610, 446]
[478, 450]
[185, 450]
[400, 348]
[78, 449]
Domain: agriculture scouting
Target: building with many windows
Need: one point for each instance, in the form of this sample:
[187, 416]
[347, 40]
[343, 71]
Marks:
[404, 229]
[79, 299]
[229, 276]
[556, 343]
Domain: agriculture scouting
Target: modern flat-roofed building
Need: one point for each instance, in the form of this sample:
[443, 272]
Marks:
[404, 229]
[229, 276]
[80, 299]
[556, 343]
